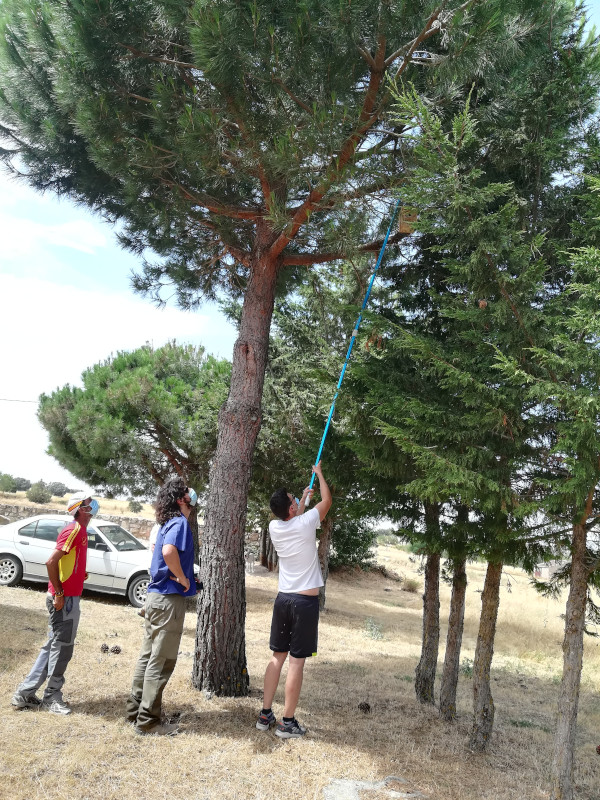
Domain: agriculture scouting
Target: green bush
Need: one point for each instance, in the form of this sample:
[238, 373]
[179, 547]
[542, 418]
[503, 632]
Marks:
[22, 484]
[7, 483]
[57, 489]
[135, 506]
[39, 493]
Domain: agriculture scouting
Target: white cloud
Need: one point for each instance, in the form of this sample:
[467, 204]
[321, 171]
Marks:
[22, 237]
[51, 333]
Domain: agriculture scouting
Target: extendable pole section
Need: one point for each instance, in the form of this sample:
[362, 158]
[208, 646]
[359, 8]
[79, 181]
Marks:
[353, 339]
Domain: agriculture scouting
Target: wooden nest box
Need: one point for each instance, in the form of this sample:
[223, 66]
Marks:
[407, 220]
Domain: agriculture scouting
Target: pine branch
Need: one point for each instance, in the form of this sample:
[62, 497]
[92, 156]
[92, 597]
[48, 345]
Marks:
[337, 166]
[159, 59]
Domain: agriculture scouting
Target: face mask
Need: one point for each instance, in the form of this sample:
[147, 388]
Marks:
[193, 497]
[95, 506]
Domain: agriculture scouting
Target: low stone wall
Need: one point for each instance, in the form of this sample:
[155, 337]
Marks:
[138, 526]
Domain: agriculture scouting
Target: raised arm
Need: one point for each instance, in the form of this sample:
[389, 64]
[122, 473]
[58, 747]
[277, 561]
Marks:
[325, 504]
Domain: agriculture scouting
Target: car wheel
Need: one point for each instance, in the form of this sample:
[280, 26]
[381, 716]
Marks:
[11, 570]
[136, 593]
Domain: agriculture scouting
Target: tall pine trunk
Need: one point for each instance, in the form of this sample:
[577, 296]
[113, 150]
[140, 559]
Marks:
[323, 551]
[483, 702]
[268, 554]
[453, 641]
[220, 656]
[563, 759]
[427, 666]
[264, 543]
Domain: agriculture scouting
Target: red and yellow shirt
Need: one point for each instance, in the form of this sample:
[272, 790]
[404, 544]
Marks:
[72, 540]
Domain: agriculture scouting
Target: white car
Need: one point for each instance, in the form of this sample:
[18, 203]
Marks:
[117, 563]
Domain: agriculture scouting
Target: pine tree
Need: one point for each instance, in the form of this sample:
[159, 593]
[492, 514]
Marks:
[241, 143]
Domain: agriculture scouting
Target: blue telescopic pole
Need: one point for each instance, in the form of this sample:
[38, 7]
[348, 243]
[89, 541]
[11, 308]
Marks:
[353, 339]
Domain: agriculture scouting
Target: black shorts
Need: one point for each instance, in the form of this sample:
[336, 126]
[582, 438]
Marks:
[295, 625]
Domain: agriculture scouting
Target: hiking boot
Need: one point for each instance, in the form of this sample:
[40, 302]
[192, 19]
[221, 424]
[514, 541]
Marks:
[265, 721]
[290, 730]
[21, 701]
[56, 706]
[162, 729]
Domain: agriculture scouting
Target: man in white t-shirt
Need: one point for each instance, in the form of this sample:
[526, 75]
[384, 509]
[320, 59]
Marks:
[294, 628]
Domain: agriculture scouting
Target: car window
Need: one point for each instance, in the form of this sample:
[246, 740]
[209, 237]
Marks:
[28, 530]
[120, 539]
[48, 529]
[94, 539]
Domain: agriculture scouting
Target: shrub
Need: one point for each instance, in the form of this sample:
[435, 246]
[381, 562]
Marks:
[39, 493]
[373, 628]
[466, 667]
[135, 506]
[411, 585]
[7, 483]
[57, 489]
[22, 484]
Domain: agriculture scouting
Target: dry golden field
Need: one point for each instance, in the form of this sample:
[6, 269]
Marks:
[369, 647]
[60, 504]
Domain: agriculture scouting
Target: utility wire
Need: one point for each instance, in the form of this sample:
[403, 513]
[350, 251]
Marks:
[14, 400]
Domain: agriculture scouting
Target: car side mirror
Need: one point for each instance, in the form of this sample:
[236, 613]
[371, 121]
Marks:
[102, 546]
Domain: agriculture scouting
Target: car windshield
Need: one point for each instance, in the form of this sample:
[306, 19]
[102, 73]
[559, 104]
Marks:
[120, 538]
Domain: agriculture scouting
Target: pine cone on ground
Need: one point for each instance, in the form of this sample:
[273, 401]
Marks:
[115, 649]
[104, 648]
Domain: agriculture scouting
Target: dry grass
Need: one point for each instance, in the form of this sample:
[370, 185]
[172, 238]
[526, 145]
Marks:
[95, 755]
[120, 507]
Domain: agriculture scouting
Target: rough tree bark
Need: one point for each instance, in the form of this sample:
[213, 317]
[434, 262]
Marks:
[483, 702]
[268, 554]
[563, 760]
[264, 539]
[453, 641]
[220, 654]
[323, 552]
[427, 666]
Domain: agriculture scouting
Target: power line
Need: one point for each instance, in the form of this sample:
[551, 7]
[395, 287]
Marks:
[14, 400]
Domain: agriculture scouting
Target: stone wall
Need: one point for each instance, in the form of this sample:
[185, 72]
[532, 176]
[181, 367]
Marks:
[138, 526]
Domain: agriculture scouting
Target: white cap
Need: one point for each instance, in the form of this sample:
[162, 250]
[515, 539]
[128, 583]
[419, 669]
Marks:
[75, 501]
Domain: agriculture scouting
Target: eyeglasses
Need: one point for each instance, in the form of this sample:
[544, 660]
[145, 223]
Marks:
[85, 508]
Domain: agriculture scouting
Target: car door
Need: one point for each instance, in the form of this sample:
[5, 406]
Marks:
[36, 541]
[101, 561]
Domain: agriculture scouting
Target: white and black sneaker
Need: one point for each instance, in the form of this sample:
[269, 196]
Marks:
[22, 701]
[290, 730]
[57, 706]
[265, 721]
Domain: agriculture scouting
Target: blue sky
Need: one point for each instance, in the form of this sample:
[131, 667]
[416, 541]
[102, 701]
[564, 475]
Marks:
[66, 303]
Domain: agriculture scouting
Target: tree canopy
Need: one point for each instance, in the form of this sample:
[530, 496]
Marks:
[139, 418]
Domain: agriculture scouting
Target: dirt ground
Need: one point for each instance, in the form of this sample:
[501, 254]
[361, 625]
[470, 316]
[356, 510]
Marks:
[369, 645]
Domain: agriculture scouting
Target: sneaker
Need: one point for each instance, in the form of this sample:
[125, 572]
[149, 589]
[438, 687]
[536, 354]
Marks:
[265, 721]
[162, 729]
[56, 707]
[20, 701]
[290, 730]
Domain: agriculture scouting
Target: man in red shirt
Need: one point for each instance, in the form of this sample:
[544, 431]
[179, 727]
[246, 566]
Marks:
[66, 571]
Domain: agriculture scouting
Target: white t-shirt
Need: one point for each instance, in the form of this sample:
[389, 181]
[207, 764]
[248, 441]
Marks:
[296, 543]
[153, 535]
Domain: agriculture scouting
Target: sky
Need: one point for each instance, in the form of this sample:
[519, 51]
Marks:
[65, 304]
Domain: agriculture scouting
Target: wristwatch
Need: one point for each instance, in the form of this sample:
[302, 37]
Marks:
[59, 594]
